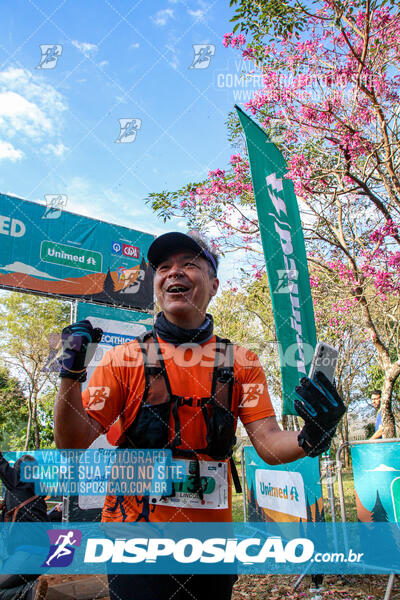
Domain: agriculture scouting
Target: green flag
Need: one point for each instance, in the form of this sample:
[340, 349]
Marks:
[285, 258]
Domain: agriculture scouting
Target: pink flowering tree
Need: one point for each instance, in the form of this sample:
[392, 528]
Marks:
[329, 100]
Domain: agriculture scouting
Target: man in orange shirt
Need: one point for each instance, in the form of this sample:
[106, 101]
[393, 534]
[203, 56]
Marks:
[183, 388]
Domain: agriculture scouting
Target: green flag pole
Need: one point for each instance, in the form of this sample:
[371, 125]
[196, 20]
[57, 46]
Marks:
[285, 257]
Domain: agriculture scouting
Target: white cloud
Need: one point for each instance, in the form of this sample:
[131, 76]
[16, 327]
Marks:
[103, 63]
[30, 109]
[134, 46]
[382, 467]
[7, 151]
[85, 47]
[197, 14]
[162, 16]
[19, 114]
[55, 149]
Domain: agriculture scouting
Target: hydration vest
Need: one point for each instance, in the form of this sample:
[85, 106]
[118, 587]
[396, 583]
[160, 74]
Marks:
[153, 426]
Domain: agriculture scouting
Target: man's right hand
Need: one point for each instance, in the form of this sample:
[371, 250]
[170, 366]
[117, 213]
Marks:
[79, 342]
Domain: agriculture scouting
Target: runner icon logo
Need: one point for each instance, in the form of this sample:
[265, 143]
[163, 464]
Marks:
[50, 55]
[62, 542]
[202, 55]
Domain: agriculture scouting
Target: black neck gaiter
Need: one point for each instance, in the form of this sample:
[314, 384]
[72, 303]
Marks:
[177, 335]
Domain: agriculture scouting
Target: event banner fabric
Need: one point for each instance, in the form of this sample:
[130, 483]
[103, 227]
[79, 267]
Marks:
[288, 548]
[285, 258]
[119, 326]
[58, 253]
[283, 493]
[376, 470]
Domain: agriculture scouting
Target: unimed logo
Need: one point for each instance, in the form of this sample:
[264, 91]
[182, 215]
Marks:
[191, 550]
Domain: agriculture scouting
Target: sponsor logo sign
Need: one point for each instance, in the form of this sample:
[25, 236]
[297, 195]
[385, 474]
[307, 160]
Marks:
[70, 256]
[282, 491]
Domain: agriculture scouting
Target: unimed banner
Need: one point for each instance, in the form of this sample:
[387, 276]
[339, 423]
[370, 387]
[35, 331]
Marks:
[285, 258]
[376, 471]
[54, 252]
[283, 493]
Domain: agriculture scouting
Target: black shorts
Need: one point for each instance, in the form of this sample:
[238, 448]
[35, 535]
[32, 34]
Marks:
[167, 587]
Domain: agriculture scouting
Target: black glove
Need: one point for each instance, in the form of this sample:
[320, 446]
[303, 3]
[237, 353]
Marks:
[321, 407]
[79, 342]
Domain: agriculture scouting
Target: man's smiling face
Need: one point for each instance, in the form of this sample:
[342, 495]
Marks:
[183, 288]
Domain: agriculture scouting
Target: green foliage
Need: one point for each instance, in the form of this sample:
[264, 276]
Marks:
[45, 413]
[164, 203]
[267, 17]
[30, 328]
[245, 317]
[13, 410]
[369, 429]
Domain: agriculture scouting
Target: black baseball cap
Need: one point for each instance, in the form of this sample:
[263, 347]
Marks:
[168, 243]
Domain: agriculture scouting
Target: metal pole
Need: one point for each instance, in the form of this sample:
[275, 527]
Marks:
[389, 587]
[340, 480]
[329, 477]
[65, 509]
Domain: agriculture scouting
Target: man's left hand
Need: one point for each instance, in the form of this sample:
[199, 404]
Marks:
[321, 407]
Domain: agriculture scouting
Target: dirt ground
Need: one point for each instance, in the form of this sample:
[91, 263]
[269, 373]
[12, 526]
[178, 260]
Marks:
[275, 587]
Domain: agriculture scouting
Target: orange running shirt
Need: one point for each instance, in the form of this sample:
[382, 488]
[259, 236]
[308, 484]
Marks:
[189, 368]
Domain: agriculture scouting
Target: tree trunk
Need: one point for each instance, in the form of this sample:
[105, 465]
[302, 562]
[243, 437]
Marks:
[285, 422]
[29, 424]
[388, 422]
[345, 430]
[36, 433]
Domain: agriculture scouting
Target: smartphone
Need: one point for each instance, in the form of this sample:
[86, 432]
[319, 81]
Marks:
[324, 359]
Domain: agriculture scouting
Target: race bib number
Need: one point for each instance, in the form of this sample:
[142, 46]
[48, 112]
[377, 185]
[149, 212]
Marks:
[214, 481]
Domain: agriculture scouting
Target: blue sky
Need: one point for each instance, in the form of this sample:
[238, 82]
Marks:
[119, 60]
